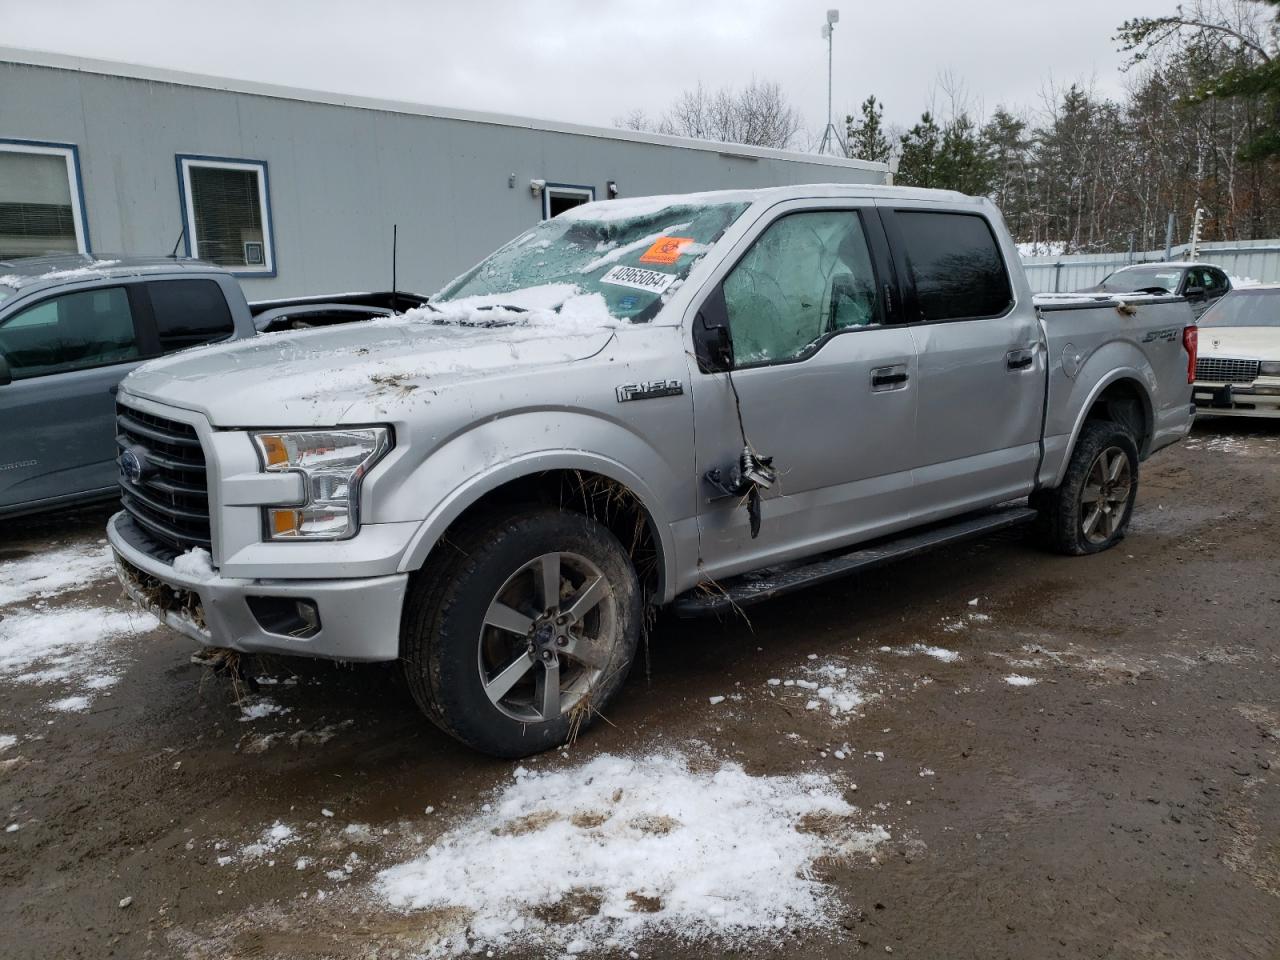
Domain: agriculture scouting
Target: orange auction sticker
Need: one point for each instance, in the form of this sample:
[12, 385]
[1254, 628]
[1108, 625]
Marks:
[666, 250]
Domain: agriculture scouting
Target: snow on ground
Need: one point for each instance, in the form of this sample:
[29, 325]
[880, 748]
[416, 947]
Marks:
[834, 686]
[938, 653]
[598, 856]
[1018, 680]
[7, 740]
[255, 708]
[52, 572]
[71, 646]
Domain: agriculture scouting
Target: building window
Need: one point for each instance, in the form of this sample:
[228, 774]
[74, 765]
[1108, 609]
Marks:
[559, 197]
[41, 208]
[226, 213]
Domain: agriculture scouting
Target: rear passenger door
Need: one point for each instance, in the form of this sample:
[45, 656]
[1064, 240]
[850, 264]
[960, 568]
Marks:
[980, 392]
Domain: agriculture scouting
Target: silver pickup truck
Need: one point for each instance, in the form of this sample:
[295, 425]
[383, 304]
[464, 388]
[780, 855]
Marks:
[690, 401]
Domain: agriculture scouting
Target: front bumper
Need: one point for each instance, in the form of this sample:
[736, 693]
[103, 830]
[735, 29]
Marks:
[1238, 399]
[359, 619]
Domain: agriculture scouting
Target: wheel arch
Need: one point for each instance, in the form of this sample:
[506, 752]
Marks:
[1121, 397]
[586, 483]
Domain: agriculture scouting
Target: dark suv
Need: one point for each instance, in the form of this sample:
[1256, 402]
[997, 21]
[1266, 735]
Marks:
[1201, 283]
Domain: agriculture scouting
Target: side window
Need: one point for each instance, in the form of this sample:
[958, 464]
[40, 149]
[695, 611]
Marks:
[809, 274]
[1215, 282]
[956, 265]
[91, 328]
[189, 312]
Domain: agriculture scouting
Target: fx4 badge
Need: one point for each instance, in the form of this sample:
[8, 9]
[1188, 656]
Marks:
[649, 390]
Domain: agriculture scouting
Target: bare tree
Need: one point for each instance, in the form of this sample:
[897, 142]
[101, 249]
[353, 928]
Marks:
[759, 114]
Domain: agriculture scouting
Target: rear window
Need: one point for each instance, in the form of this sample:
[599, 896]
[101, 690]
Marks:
[956, 265]
[189, 313]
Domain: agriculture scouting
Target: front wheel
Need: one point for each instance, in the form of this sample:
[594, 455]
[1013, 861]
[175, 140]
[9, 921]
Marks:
[1090, 511]
[520, 630]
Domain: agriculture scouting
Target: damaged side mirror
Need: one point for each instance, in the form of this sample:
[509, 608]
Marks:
[712, 343]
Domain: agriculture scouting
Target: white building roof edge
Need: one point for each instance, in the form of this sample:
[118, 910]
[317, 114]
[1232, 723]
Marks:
[113, 68]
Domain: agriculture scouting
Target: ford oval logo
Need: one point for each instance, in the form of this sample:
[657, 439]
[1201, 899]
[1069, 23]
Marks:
[133, 464]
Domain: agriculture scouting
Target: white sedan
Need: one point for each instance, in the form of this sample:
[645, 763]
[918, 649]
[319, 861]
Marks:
[1238, 366]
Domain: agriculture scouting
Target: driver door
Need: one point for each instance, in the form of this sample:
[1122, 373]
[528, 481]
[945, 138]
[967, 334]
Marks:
[822, 379]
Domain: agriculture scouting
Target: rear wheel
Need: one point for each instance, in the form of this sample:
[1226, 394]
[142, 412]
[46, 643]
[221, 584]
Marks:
[521, 629]
[1090, 511]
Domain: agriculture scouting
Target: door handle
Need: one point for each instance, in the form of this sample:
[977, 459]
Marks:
[888, 378]
[1019, 359]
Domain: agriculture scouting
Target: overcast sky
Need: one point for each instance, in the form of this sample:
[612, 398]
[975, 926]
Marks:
[590, 62]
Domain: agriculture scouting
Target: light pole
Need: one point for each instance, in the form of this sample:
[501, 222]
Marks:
[830, 136]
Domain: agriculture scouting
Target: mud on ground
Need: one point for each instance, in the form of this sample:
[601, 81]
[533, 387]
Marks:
[1119, 800]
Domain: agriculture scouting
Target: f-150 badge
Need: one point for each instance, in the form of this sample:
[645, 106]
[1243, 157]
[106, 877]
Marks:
[649, 390]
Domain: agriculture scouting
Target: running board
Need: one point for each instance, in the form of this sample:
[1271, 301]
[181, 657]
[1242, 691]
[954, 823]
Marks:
[774, 581]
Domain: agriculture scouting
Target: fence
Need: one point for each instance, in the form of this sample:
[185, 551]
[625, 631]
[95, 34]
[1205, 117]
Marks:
[1245, 259]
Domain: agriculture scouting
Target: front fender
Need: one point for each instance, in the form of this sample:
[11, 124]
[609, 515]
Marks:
[497, 452]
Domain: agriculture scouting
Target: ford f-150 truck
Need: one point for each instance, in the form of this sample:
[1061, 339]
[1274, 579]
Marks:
[690, 401]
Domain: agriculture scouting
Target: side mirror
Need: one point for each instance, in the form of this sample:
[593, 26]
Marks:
[6, 376]
[712, 344]
[1194, 293]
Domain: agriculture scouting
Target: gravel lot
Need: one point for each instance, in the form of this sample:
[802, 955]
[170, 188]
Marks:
[988, 751]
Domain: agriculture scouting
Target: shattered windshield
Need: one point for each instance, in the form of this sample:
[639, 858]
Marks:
[1245, 308]
[1143, 278]
[630, 261]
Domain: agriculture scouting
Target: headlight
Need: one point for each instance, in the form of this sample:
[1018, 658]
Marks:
[332, 464]
[1269, 368]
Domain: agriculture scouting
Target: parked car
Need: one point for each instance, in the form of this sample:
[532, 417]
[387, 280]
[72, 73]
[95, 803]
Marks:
[696, 402]
[1238, 371]
[1202, 284]
[72, 327]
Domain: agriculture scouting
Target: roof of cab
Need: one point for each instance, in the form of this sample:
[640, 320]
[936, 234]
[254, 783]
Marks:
[26, 273]
[620, 209]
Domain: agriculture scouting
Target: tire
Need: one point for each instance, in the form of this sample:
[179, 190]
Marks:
[1090, 511]
[481, 647]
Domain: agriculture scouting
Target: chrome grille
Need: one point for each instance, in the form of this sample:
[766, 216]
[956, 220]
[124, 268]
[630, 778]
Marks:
[171, 499]
[1224, 370]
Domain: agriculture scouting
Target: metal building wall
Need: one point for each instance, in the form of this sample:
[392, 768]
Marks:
[341, 175]
[1245, 259]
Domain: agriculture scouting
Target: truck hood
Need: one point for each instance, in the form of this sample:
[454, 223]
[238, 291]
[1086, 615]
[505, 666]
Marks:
[353, 372]
[1248, 343]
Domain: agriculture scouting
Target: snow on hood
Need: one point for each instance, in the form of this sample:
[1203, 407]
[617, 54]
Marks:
[318, 375]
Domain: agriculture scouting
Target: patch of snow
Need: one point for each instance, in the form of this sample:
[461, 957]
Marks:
[53, 572]
[620, 834]
[1018, 680]
[938, 653]
[13, 828]
[70, 645]
[1237, 282]
[75, 704]
[7, 740]
[837, 687]
[255, 708]
[271, 839]
[196, 563]
[715, 700]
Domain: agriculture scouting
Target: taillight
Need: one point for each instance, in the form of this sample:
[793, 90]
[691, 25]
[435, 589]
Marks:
[1191, 342]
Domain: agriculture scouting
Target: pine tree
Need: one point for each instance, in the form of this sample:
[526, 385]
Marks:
[865, 139]
[918, 165]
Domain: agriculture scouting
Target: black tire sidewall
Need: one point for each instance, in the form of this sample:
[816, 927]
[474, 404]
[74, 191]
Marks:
[494, 554]
[1065, 520]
